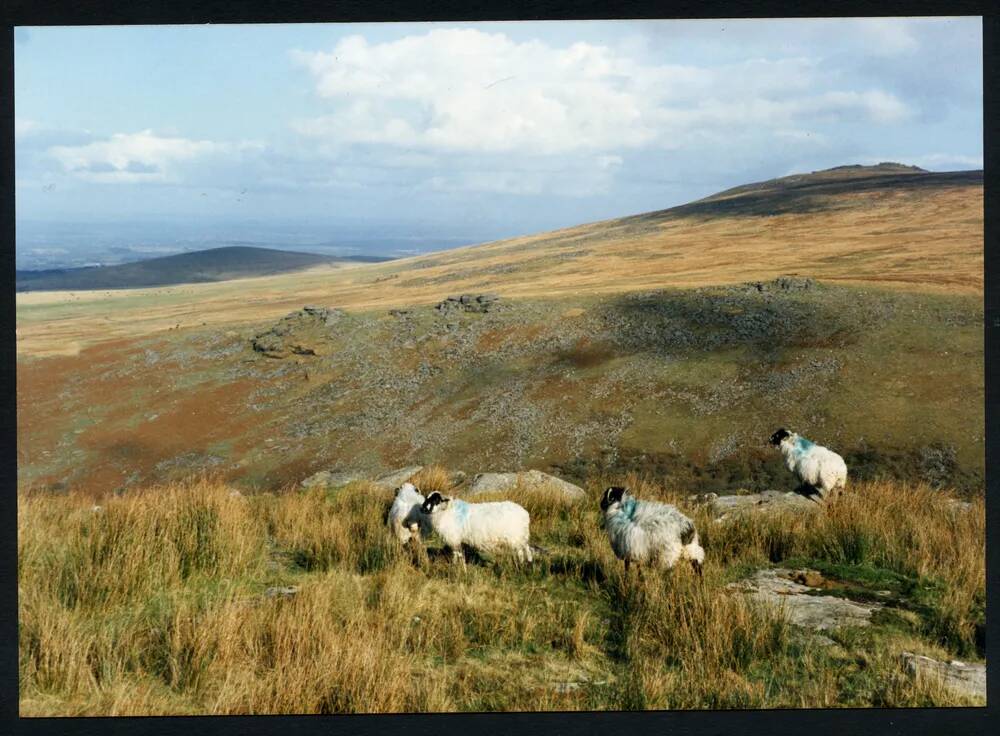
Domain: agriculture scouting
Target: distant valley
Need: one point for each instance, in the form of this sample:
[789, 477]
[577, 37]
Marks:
[205, 266]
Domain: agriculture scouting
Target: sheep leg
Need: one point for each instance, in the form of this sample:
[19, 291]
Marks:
[458, 555]
[626, 565]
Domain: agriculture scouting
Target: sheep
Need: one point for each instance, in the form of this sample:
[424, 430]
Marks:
[822, 471]
[485, 527]
[649, 532]
[405, 518]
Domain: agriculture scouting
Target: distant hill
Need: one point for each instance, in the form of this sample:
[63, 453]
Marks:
[889, 224]
[215, 264]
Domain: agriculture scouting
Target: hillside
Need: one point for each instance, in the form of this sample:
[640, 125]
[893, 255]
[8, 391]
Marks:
[856, 225]
[670, 343]
[214, 264]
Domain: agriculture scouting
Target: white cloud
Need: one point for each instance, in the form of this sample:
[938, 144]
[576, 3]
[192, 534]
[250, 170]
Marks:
[467, 90]
[137, 157]
[887, 36]
[24, 127]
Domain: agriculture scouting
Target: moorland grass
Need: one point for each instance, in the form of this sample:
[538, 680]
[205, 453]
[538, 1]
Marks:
[155, 603]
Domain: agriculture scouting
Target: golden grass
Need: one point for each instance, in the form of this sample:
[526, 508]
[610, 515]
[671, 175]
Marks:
[155, 604]
[433, 478]
[929, 241]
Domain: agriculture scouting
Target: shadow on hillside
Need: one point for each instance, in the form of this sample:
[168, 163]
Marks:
[764, 318]
[810, 196]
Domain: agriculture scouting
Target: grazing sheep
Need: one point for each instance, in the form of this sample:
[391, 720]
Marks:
[483, 526]
[822, 470]
[649, 532]
[405, 518]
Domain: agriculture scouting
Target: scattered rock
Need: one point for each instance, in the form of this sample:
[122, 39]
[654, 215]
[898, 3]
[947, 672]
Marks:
[767, 502]
[529, 480]
[281, 591]
[400, 312]
[781, 587]
[331, 479]
[394, 479]
[960, 677]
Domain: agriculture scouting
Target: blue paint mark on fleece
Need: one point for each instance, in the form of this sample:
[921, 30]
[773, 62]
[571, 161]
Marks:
[461, 510]
[628, 507]
[802, 444]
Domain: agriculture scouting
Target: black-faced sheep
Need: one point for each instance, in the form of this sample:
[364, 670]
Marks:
[487, 527]
[823, 471]
[649, 532]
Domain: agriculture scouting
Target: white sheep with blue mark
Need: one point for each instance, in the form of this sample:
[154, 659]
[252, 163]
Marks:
[486, 527]
[822, 471]
[405, 518]
[648, 532]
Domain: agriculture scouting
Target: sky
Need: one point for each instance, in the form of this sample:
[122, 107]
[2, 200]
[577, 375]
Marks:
[397, 138]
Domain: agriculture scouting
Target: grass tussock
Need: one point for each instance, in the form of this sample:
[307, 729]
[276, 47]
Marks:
[157, 603]
[433, 478]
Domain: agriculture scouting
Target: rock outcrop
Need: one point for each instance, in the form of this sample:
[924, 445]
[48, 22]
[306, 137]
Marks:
[766, 502]
[791, 591]
[394, 479]
[529, 480]
[959, 677]
[481, 303]
[303, 332]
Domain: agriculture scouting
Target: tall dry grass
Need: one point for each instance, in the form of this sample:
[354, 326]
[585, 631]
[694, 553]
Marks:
[156, 604]
[433, 478]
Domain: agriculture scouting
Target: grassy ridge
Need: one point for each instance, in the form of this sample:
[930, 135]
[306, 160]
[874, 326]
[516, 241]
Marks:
[155, 604]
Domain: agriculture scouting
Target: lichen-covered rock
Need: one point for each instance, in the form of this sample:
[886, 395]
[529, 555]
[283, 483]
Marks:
[304, 332]
[528, 480]
[468, 303]
[959, 677]
[767, 502]
[784, 589]
[394, 479]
